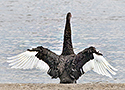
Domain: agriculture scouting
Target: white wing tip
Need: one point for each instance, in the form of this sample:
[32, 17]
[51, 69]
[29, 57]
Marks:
[110, 76]
[27, 60]
[116, 69]
[113, 68]
[105, 66]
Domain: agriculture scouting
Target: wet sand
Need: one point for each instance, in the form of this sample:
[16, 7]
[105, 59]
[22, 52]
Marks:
[86, 86]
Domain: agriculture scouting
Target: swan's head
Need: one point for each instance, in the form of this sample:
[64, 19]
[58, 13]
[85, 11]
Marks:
[68, 16]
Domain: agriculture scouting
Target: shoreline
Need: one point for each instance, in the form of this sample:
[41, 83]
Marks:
[39, 86]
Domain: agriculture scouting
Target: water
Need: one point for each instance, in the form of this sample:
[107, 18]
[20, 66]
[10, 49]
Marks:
[27, 23]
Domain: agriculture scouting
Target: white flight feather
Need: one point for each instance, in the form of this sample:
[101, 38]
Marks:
[100, 66]
[88, 66]
[27, 60]
[19, 61]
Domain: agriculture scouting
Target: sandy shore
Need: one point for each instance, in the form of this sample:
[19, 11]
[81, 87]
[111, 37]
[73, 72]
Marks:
[86, 86]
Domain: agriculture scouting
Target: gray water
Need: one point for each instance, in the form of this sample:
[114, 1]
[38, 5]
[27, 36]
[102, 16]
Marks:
[27, 23]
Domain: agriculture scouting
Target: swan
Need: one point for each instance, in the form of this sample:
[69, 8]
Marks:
[68, 66]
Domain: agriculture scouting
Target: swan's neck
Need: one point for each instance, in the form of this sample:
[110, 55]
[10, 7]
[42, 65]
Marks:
[67, 43]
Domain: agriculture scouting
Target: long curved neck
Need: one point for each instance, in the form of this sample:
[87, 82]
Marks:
[67, 43]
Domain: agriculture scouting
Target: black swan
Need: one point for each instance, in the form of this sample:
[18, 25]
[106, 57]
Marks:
[68, 66]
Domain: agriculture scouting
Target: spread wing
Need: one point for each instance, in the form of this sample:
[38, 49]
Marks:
[100, 66]
[90, 59]
[39, 57]
[27, 60]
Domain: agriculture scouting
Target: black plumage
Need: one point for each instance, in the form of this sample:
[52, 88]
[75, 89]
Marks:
[68, 66]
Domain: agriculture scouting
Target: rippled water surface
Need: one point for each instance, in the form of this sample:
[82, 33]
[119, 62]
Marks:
[27, 23]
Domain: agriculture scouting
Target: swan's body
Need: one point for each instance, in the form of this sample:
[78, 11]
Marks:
[68, 66]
